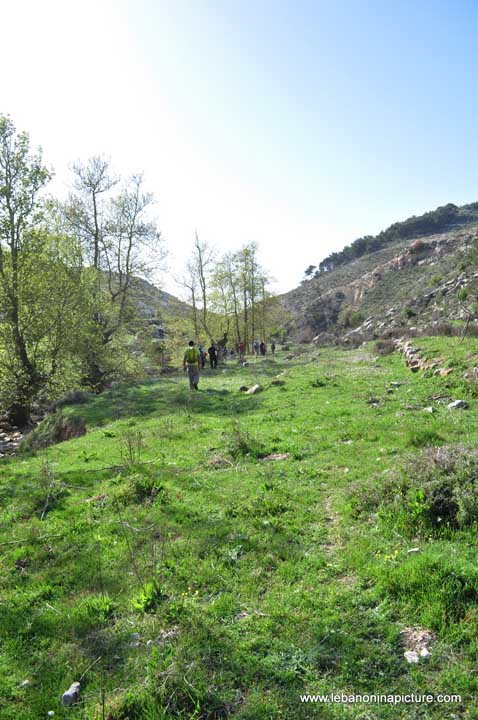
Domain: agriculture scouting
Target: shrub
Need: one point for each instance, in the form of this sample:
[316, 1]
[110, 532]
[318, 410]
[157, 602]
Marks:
[436, 491]
[384, 347]
[75, 397]
[239, 443]
[54, 429]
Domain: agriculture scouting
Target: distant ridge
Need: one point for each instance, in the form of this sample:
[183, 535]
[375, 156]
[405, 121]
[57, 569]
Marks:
[407, 276]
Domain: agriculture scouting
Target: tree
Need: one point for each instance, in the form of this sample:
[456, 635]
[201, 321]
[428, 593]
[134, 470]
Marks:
[120, 239]
[22, 176]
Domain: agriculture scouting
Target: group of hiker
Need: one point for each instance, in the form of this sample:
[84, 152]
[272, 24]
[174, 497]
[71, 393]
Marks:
[195, 357]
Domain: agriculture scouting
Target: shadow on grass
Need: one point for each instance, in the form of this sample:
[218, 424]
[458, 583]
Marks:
[156, 398]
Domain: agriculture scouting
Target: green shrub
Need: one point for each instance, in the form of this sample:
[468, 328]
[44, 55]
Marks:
[239, 443]
[437, 491]
[384, 347]
[149, 598]
[54, 429]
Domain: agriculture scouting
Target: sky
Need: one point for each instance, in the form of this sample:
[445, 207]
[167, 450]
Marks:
[298, 124]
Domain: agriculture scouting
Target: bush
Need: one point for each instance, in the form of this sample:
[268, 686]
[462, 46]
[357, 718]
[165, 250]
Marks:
[384, 347]
[436, 491]
[239, 443]
[54, 429]
[75, 397]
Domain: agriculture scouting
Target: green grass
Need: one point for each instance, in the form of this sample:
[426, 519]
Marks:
[162, 560]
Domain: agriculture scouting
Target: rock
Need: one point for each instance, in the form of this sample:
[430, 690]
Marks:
[425, 652]
[429, 409]
[277, 456]
[245, 364]
[253, 390]
[278, 382]
[411, 656]
[413, 550]
[243, 388]
[444, 372]
[457, 405]
[25, 683]
[71, 695]
[290, 357]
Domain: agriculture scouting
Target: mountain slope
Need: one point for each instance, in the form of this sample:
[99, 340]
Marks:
[410, 281]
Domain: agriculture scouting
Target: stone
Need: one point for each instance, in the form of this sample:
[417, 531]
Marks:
[277, 456]
[412, 551]
[243, 388]
[457, 405]
[429, 409]
[278, 382]
[71, 695]
[411, 656]
[253, 390]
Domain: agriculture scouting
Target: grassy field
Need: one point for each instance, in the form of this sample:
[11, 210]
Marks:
[167, 564]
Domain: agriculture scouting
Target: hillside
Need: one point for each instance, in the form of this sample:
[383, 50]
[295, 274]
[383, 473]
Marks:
[219, 555]
[412, 280]
[153, 303]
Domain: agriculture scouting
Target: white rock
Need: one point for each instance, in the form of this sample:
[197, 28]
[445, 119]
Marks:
[457, 405]
[425, 652]
[71, 695]
[411, 656]
[414, 550]
[429, 409]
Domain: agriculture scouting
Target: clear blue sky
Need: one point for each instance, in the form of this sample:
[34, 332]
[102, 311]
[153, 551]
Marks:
[301, 125]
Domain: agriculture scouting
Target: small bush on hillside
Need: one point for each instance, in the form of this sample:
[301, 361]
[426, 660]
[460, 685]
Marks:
[423, 437]
[54, 429]
[438, 490]
[75, 397]
[239, 443]
[384, 347]
[443, 328]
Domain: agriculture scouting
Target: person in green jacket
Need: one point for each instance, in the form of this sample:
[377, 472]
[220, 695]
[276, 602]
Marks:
[192, 363]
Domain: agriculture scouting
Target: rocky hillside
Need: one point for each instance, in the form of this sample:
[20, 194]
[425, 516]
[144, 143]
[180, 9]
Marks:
[153, 303]
[409, 283]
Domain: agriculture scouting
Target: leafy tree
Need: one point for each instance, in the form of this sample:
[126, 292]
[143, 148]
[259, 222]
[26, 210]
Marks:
[22, 176]
[112, 220]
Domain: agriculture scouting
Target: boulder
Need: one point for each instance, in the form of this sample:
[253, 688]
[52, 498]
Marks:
[276, 456]
[457, 405]
[71, 695]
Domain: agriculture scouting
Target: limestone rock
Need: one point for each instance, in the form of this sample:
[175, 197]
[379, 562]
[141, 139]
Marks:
[277, 456]
[71, 695]
[457, 405]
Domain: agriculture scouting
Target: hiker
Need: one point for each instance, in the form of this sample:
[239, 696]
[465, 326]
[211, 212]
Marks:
[202, 353]
[255, 347]
[262, 348]
[273, 347]
[192, 363]
[213, 356]
[241, 349]
[231, 353]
